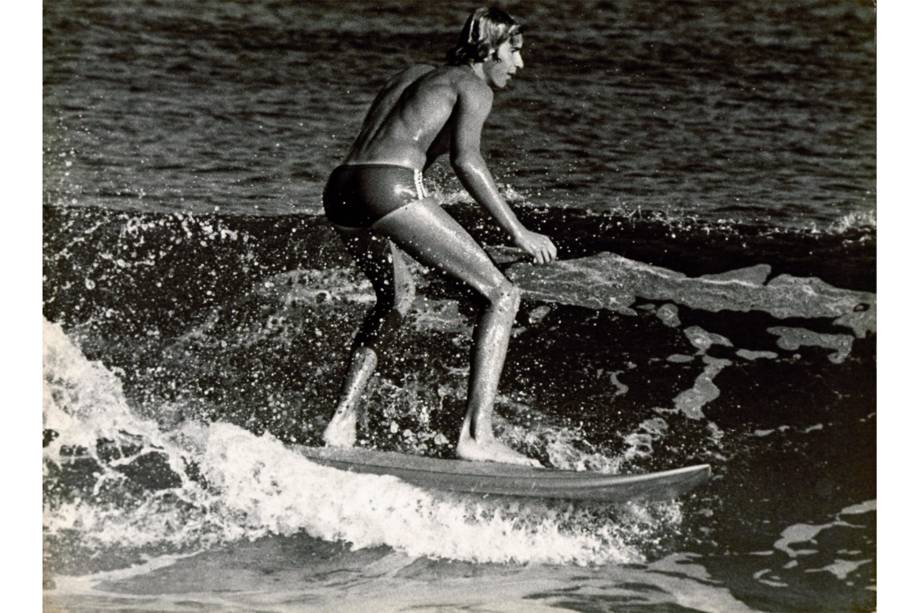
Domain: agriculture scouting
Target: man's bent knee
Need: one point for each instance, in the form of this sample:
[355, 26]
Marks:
[505, 297]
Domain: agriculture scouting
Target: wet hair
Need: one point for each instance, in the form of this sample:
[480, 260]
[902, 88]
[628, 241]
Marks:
[482, 34]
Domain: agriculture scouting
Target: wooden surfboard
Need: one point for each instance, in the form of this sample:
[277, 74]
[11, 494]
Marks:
[488, 478]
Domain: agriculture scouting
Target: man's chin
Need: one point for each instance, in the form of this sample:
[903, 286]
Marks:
[500, 83]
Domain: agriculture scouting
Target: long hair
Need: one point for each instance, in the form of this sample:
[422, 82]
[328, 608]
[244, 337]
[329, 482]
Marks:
[483, 33]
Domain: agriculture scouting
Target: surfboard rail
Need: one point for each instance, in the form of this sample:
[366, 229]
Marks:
[488, 478]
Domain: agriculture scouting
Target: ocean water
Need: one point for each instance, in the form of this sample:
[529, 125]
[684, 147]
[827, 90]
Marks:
[708, 173]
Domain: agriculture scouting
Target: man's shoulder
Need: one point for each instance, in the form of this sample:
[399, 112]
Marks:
[468, 84]
[418, 69]
[447, 81]
[410, 74]
[456, 78]
[459, 76]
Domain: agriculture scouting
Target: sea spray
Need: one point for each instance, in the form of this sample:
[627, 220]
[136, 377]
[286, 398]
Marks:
[104, 466]
[227, 484]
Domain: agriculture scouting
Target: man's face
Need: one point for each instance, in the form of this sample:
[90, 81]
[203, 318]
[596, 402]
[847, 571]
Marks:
[506, 62]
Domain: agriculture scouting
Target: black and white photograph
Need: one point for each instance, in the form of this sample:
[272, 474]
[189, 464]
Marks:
[440, 306]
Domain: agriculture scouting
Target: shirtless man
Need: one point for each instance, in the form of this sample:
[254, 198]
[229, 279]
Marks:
[377, 202]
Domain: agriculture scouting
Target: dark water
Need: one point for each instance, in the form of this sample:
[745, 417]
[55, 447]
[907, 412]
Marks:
[198, 311]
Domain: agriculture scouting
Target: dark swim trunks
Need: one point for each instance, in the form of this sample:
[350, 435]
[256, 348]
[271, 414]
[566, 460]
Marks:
[358, 195]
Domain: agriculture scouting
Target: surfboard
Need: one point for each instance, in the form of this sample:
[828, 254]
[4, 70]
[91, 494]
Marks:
[494, 479]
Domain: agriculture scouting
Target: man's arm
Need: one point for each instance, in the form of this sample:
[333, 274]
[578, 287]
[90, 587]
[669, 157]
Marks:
[472, 108]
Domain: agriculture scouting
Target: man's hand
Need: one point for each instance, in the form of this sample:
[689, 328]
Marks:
[537, 245]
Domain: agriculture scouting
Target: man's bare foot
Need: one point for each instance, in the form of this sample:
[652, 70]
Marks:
[490, 449]
[342, 430]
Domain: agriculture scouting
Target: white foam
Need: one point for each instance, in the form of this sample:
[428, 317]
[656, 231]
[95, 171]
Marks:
[273, 490]
[857, 219]
[254, 486]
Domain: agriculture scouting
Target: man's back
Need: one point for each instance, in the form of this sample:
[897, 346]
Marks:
[408, 123]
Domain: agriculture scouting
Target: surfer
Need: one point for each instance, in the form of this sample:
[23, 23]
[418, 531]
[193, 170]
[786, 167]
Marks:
[377, 202]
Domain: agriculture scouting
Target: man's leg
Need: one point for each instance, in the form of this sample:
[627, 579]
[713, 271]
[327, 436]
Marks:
[388, 273]
[433, 237]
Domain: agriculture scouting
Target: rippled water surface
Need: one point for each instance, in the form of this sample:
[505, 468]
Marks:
[715, 109]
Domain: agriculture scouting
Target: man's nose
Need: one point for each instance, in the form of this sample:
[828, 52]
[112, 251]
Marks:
[519, 61]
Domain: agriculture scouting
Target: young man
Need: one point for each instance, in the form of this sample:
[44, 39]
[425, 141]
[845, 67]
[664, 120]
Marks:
[378, 205]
